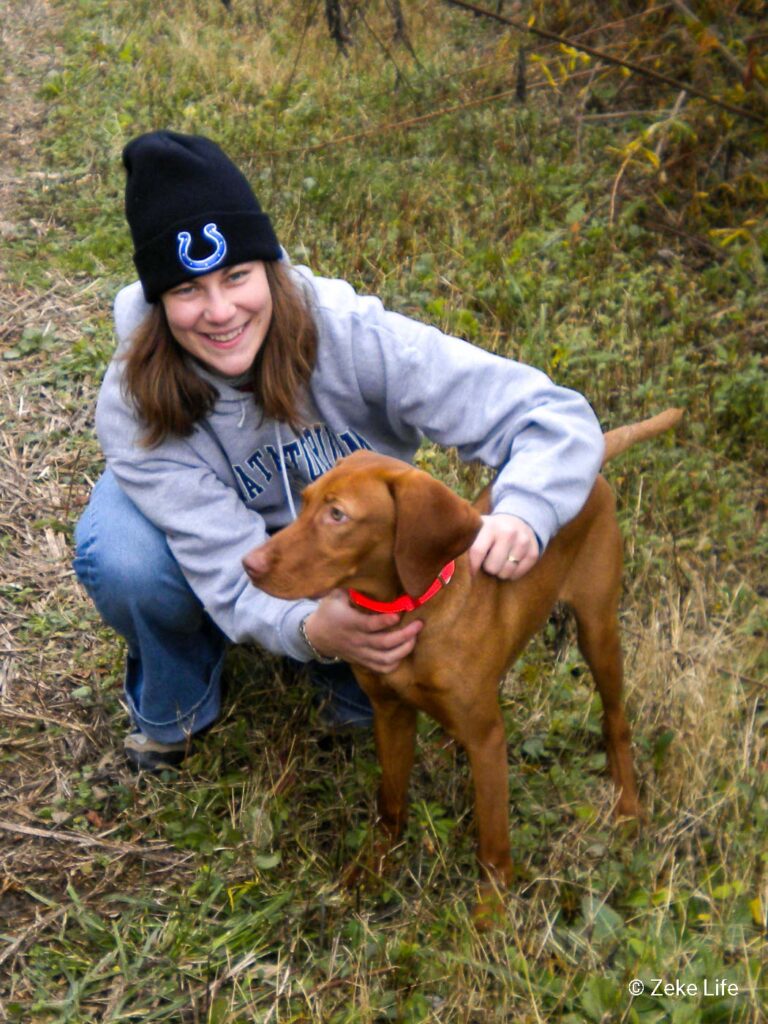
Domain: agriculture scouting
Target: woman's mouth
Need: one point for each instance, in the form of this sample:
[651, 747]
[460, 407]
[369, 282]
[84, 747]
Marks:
[225, 339]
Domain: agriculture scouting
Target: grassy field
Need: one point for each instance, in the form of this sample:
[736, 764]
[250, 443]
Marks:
[605, 227]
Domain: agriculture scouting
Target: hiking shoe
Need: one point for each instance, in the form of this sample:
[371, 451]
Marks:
[148, 755]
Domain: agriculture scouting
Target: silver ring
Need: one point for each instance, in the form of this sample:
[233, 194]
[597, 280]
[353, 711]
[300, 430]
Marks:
[513, 560]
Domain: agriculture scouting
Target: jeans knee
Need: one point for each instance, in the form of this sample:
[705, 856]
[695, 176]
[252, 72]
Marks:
[121, 580]
[125, 564]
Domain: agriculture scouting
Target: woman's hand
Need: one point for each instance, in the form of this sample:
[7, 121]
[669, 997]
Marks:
[338, 629]
[505, 547]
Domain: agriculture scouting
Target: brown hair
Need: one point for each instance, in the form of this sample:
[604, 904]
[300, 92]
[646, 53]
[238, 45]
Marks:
[171, 397]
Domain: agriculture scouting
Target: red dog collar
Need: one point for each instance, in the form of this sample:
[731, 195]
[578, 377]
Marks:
[404, 603]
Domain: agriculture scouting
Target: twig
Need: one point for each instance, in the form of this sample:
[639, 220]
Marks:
[618, 115]
[399, 75]
[33, 300]
[6, 712]
[43, 922]
[628, 158]
[336, 26]
[411, 122]
[401, 32]
[149, 853]
[748, 680]
[657, 76]
[738, 466]
[701, 243]
[623, 22]
[418, 120]
[659, 151]
[307, 22]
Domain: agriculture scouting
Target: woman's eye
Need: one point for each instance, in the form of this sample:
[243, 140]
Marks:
[238, 274]
[337, 514]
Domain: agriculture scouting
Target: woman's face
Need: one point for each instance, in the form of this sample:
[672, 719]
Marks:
[222, 318]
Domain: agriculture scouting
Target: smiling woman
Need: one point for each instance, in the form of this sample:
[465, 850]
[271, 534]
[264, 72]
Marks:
[169, 393]
[240, 380]
[222, 318]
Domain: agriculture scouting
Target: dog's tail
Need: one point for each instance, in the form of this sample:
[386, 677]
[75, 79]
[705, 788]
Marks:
[617, 441]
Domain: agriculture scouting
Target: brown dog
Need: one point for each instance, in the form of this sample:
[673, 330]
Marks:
[386, 529]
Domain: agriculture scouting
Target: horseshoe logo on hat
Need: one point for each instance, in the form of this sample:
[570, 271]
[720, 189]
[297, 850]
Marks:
[212, 233]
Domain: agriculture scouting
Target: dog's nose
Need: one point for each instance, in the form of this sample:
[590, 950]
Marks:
[256, 563]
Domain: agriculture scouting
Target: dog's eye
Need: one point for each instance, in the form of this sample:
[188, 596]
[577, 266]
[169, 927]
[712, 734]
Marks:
[337, 514]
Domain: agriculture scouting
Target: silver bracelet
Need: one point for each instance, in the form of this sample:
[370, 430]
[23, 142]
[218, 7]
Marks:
[317, 656]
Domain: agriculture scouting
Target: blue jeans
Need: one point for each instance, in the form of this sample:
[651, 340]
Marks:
[175, 650]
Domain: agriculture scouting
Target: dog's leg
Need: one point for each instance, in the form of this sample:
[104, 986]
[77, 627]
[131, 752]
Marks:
[394, 727]
[484, 740]
[599, 643]
[592, 590]
[488, 759]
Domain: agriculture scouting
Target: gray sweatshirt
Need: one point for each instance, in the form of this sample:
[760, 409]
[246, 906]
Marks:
[381, 381]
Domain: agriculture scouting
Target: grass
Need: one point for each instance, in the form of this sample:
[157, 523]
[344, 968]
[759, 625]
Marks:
[215, 896]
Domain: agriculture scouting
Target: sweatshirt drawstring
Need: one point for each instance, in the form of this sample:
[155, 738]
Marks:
[284, 471]
[241, 421]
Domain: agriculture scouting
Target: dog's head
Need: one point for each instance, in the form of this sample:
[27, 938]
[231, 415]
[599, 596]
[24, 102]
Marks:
[373, 523]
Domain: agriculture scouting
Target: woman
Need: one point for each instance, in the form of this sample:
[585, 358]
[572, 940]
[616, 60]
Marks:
[238, 380]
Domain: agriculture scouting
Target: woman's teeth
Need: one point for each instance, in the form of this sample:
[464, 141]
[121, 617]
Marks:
[222, 339]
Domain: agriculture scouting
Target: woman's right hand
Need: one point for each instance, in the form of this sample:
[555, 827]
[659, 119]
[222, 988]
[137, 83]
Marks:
[338, 629]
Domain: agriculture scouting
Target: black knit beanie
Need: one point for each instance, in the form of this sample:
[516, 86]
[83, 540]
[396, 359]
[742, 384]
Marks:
[190, 211]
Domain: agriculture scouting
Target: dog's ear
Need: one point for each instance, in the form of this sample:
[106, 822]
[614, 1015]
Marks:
[432, 526]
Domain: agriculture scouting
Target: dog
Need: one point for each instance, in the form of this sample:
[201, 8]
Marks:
[385, 530]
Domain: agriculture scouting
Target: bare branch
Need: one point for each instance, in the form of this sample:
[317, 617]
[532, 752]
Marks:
[610, 59]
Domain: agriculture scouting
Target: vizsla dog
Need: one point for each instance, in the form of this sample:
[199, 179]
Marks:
[385, 530]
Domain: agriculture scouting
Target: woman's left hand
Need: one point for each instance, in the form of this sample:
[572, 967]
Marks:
[505, 547]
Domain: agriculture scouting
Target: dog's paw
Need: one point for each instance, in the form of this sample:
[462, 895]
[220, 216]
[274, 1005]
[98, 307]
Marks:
[371, 865]
[489, 911]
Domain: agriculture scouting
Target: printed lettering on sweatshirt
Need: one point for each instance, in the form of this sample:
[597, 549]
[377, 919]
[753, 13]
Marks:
[306, 456]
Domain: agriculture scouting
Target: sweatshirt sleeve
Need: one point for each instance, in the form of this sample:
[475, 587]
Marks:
[544, 440]
[180, 487]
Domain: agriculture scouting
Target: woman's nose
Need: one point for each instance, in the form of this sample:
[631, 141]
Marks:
[218, 307]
